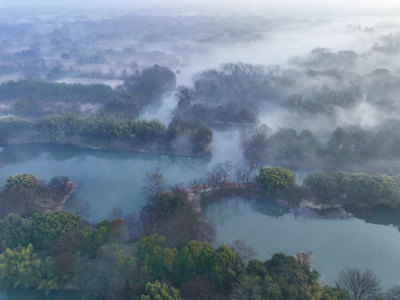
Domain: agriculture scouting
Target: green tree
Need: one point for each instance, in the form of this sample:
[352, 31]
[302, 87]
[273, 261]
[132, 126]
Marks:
[157, 262]
[276, 180]
[12, 126]
[46, 228]
[25, 181]
[247, 288]
[225, 267]
[23, 268]
[19, 267]
[15, 230]
[160, 291]
[194, 259]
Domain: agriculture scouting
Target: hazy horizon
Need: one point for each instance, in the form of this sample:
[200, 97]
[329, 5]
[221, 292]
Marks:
[287, 7]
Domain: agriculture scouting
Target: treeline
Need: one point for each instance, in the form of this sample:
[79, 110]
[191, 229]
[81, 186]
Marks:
[321, 85]
[59, 127]
[345, 148]
[35, 97]
[13, 126]
[257, 87]
[362, 190]
[348, 190]
[181, 136]
[190, 106]
[338, 188]
[51, 91]
[151, 83]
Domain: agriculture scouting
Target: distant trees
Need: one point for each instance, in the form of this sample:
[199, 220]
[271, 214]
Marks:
[357, 189]
[28, 106]
[58, 127]
[124, 105]
[360, 284]
[52, 91]
[276, 180]
[12, 127]
[190, 106]
[345, 148]
[151, 83]
[284, 146]
[255, 145]
[393, 293]
[198, 133]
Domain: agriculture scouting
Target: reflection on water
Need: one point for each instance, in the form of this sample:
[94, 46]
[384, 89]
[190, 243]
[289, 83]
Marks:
[391, 217]
[334, 243]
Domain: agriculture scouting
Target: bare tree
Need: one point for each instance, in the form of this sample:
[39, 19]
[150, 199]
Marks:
[225, 171]
[304, 259]
[250, 169]
[154, 183]
[78, 207]
[242, 250]
[185, 96]
[134, 226]
[197, 184]
[213, 179]
[220, 174]
[116, 213]
[393, 293]
[239, 174]
[360, 284]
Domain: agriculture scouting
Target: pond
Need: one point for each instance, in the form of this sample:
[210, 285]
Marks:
[334, 244]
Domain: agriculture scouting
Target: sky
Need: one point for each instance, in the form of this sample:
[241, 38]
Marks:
[281, 6]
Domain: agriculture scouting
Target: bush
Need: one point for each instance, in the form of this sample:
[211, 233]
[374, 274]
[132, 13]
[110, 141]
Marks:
[276, 180]
[26, 181]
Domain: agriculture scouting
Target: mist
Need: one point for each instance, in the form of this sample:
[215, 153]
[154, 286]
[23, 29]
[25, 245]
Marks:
[147, 145]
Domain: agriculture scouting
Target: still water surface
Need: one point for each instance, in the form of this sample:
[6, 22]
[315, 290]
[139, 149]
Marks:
[108, 179]
[334, 243]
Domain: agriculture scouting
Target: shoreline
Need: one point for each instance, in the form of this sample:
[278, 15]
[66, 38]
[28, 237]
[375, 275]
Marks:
[109, 148]
[201, 197]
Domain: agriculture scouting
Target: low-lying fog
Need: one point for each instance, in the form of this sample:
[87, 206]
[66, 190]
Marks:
[314, 65]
